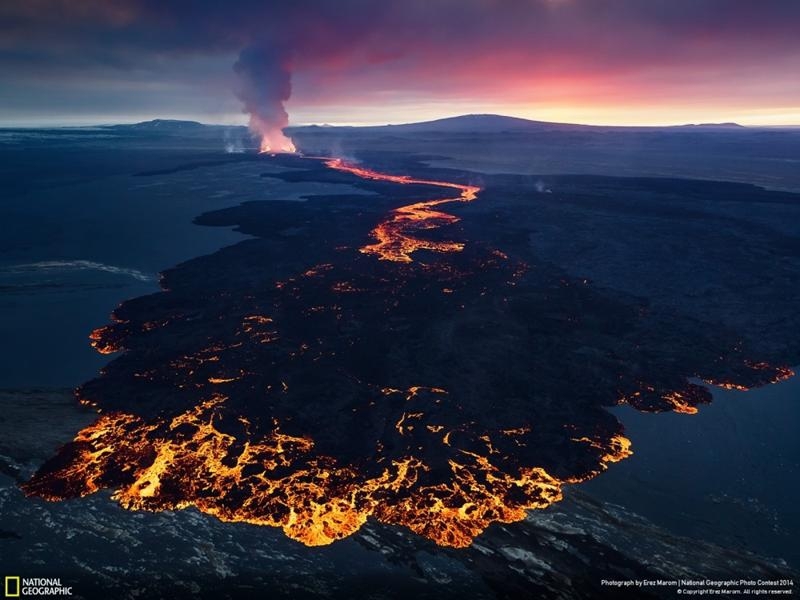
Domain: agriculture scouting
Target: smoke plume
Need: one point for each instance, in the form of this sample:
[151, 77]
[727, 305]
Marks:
[264, 85]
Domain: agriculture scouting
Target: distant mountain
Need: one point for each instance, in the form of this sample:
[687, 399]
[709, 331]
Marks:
[467, 124]
[160, 125]
[488, 123]
[710, 126]
[483, 123]
[171, 126]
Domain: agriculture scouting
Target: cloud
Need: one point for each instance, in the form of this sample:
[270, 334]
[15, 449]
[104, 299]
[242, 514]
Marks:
[518, 50]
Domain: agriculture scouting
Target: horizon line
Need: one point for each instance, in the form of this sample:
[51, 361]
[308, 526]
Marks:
[27, 124]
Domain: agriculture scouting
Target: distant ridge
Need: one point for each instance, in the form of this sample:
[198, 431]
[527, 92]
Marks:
[477, 123]
[713, 125]
[163, 125]
[485, 123]
[464, 123]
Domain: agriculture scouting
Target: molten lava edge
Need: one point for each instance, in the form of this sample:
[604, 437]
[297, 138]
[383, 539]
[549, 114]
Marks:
[422, 394]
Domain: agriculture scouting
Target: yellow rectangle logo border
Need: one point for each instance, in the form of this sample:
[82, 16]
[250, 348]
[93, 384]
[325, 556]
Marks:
[9, 579]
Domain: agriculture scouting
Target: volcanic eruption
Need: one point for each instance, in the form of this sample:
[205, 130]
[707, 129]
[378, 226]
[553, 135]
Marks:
[264, 85]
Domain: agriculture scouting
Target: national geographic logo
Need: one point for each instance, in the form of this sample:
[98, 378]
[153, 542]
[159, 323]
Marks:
[12, 587]
[16, 587]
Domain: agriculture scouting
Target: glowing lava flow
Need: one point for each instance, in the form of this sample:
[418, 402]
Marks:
[394, 237]
[297, 403]
[278, 479]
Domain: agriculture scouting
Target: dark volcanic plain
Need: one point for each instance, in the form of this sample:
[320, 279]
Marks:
[478, 379]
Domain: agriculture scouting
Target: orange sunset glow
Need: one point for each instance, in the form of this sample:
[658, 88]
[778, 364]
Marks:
[607, 62]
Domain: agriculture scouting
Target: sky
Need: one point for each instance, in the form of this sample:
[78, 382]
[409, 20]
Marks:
[609, 62]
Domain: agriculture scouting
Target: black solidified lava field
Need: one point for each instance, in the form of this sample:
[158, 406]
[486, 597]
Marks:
[291, 380]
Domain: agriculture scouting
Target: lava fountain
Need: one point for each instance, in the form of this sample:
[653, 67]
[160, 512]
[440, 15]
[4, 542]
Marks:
[275, 142]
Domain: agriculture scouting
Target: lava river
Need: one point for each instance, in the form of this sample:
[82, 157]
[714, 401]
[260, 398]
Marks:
[395, 239]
